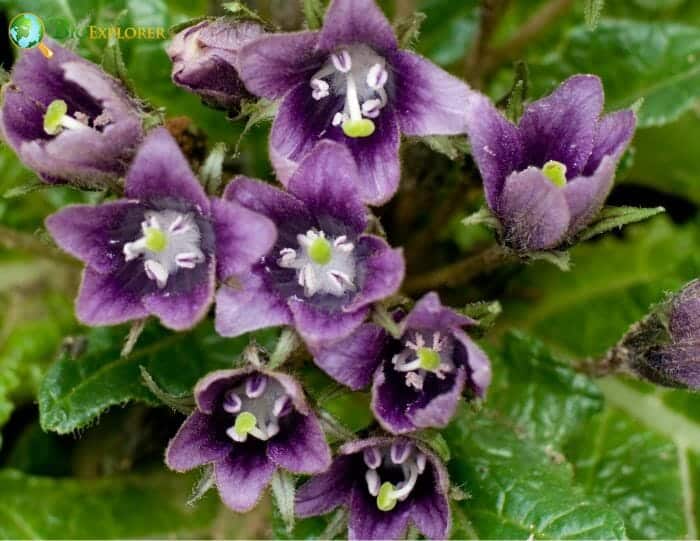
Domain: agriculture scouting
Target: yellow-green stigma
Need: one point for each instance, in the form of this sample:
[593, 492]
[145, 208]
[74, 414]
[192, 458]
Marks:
[385, 499]
[429, 359]
[320, 251]
[362, 127]
[156, 241]
[245, 422]
[55, 112]
[556, 172]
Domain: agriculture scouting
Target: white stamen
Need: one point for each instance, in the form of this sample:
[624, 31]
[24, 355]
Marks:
[373, 482]
[400, 451]
[377, 77]
[255, 386]
[421, 461]
[338, 119]
[72, 124]
[372, 108]
[156, 271]
[342, 61]
[232, 403]
[372, 458]
[351, 99]
[280, 405]
[188, 260]
[407, 486]
[134, 249]
[415, 380]
[320, 89]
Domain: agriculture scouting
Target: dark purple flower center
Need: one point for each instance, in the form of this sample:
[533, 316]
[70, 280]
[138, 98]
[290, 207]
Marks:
[422, 354]
[255, 407]
[170, 240]
[357, 76]
[392, 472]
[57, 119]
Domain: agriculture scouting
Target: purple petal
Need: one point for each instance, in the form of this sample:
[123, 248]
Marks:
[352, 360]
[317, 325]
[390, 397]
[534, 211]
[249, 306]
[85, 232]
[368, 522]
[301, 446]
[429, 101]
[243, 237]
[562, 126]
[182, 310]
[477, 363]
[273, 64]
[323, 493]
[438, 411]
[496, 146]
[430, 314]
[614, 133]
[195, 444]
[430, 510]
[103, 300]
[380, 271]
[160, 170]
[327, 182]
[677, 364]
[586, 195]
[355, 446]
[242, 476]
[356, 21]
[209, 390]
[684, 318]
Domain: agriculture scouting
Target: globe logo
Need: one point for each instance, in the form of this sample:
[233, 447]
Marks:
[27, 31]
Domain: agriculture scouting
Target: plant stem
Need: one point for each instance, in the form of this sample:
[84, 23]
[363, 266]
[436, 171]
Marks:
[490, 15]
[31, 244]
[461, 271]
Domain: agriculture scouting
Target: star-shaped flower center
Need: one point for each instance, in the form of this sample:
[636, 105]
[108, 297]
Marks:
[400, 461]
[417, 360]
[359, 75]
[170, 241]
[323, 264]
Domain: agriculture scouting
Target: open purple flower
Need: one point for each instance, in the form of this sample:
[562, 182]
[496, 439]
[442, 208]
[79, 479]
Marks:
[350, 82]
[205, 60]
[548, 177]
[158, 251]
[248, 423]
[384, 483]
[324, 272]
[419, 378]
[68, 120]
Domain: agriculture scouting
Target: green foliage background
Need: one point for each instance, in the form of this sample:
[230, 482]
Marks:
[550, 454]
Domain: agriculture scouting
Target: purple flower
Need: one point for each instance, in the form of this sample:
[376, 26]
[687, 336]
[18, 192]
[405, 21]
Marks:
[350, 82]
[248, 423]
[158, 251]
[324, 272]
[205, 60]
[385, 483]
[548, 177]
[68, 120]
[419, 378]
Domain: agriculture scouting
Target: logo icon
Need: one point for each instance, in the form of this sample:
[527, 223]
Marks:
[27, 31]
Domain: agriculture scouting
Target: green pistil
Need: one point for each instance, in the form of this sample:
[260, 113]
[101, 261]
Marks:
[320, 251]
[385, 498]
[245, 422]
[54, 114]
[429, 359]
[556, 172]
[362, 127]
[156, 241]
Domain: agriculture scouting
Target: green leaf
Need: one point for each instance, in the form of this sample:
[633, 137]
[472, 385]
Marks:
[76, 391]
[452, 146]
[313, 13]
[282, 486]
[615, 217]
[147, 505]
[592, 11]
[211, 171]
[449, 29]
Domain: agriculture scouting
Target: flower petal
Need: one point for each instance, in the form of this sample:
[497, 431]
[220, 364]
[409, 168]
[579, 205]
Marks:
[684, 319]
[183, 307]
[586, 195]
[356, 21]
[430, 314]
[242, 476]
[243, 237]
[160, 171]
[87, 232]
[272, 64]
[429, 101]
[430, 511]
[496, 146]
[390, 398]
[209, 390]
[614, 133]
[562, 126]
[316, 325]
[352, 360]
[439, 410]
[301, 446]
[368, 522]
[195, 444]
[327, 182]
[477, 363]
[250, 307]
[103, 300]
[533, 211]
[326, 491]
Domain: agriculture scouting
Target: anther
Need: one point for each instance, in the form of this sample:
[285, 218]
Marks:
[320, 89]
[372, 457]
[232, 402]
[342, 61]
[255, 385]
[377, 77]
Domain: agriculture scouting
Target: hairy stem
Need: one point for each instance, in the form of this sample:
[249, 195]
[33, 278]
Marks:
[31, 244]
[461, 271]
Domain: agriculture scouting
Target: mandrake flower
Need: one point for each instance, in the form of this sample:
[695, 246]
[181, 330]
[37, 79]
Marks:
[205, 60]
[385, 483]
[350, 82]
[324, 272]
[417, 379]
[68, 120]
[159, 250]
[548, 177]
[248, 423]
